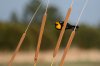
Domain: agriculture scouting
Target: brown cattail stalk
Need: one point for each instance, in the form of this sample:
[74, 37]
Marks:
[17, 49]
[22, 38]
[40, 38]
[62, 32]
[67, 48]
[72, 36]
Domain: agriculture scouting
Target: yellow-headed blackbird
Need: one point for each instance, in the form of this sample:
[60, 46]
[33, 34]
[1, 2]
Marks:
[59, 25]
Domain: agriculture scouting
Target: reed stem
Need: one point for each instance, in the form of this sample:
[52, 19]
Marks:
[40, 37]
[67, 48]
[62, 32]
[17, 49]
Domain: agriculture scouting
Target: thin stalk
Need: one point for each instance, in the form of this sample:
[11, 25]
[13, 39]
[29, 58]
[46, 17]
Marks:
[67, 48]
[22, 39]
[40, 35]
[62, 31]
[86, 2]
[17, 49]
[52, 61]
[71, 37]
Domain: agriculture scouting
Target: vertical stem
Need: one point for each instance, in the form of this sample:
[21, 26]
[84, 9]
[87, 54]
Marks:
[40, 37]
[67, 48]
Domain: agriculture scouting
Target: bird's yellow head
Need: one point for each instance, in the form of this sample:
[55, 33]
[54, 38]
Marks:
[58, 25]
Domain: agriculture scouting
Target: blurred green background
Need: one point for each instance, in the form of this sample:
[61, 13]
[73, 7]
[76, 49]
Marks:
[10, 31]
[87, 37]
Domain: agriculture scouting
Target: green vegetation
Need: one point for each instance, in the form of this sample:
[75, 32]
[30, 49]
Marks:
[10, 32]
[86, 37]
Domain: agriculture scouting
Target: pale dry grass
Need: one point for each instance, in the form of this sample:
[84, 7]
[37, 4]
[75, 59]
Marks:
[73, 55]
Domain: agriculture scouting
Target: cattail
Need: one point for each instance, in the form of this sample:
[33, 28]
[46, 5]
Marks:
[62, 33]
[17, 49]
[40, 37]
[72, 36]
[41, 34]
[67, 48]
[22, 39]
[63, 30]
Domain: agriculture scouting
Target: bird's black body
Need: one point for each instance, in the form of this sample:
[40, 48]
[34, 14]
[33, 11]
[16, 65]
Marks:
[68, 26]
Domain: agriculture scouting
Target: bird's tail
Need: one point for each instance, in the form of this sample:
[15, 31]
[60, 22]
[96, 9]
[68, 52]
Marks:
[74, 27]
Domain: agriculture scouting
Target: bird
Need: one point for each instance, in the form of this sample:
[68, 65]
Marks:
[59, 25]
